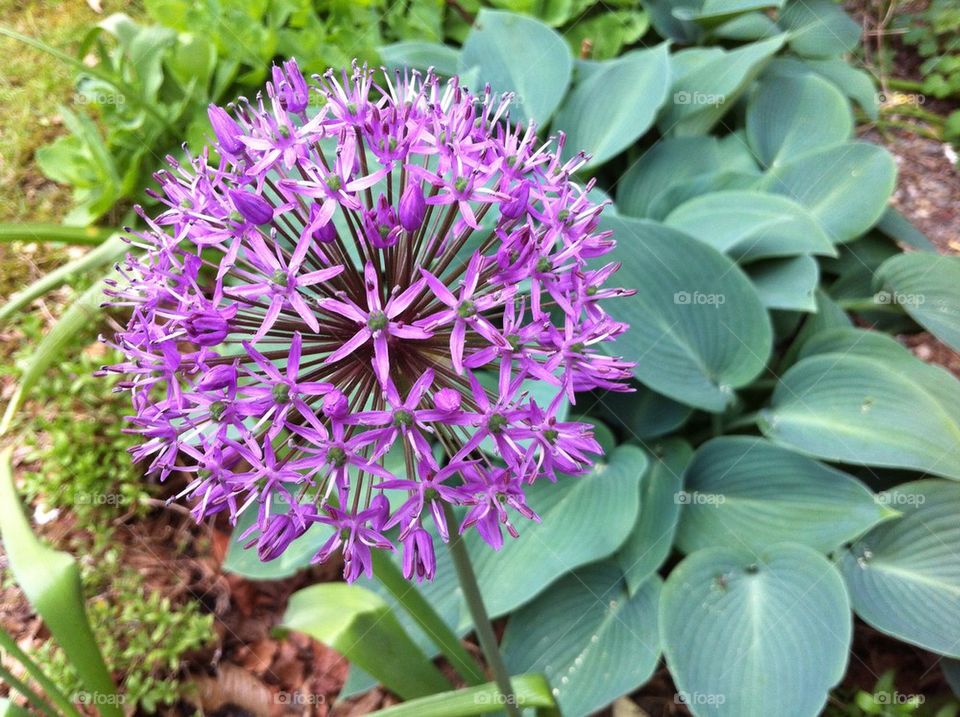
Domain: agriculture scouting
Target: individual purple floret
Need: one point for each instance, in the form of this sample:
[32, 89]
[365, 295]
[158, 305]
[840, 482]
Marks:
[344, 304]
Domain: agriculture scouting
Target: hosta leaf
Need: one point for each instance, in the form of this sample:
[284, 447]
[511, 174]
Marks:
[787, 284]
[641, 414]
[828, 316]
[529, 691]
[926, 286]
[567, 536]
[688, 189]
[665, 21]
[589, 636]
[701, 96]
[855, 83]
[896, 226]
[651, 539]
[790, 115]
[754, 635]
[904, 575]
[665, 164]
[615, 105]
[819, 28]
[697, 327]
[750, 225]
[358, 624]
[714, 12]
[422, 55]
[845, 186]
[743, 491]
[520, 55]
[859, 397]
[745, 28]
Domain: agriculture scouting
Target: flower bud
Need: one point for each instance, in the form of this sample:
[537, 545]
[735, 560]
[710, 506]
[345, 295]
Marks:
[447, 399]
[254, 209]
[335, 405]
[517, 204]
[413, 207]
[226, 129]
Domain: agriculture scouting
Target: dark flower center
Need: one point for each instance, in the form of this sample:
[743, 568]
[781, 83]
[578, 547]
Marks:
[377, 321]
[496, 423]
[217, 409]
[402, 418]
[466, 309]
[337, 456]
[281, 393]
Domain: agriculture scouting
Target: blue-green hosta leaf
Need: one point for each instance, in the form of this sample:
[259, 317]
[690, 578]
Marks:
[589, 636]
[855, 83]
[750, 225]
[927, 287]
[651, 539]
[746, 28]
[742, 491]
[828, 316]
[688, 189]
[787, 284]
[790, 115]
[567, 537]
[859, 397]
[845, 187]
[245, 561]
[664, 19]
[700, 97]
[755, 635]
[520, 55]
[819, 28]
[714, 12]
[897, 227]
[698, 330]
[641, 414]
[665, 164]
[615, 105]
[422, 55]
[358, 624]
[904, 575]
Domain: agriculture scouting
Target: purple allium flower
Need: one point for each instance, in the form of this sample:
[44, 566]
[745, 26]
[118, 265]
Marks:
[340, 313]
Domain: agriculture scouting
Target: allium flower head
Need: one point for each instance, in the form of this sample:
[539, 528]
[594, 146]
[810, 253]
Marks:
[344, 304]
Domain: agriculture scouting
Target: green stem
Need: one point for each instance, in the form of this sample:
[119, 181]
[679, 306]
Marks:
[24, 689]
[478, 611]
[8, 644]
[745, 421]
[916, 112]
[901, 84]
[427, 618]
[85, 236]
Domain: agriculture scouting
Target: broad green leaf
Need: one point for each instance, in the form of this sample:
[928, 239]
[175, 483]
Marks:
[926, 286]
[422, 55]
[651, 539]
[358, 624]
[615, 105]
[530, 691]
[703, 184]
[750, 225]
[520, 55]
[742, 491]
[245, 561]
[591, 638]
[639, 415]
[701, 96]
[664, 19]
[566, 538]
[608, 33]
[665, 164]
[855, 83]
[904, 575]
[50, 579]
[698, 330]
[859, 397]
[896, 226]
[845, 187]
[715, 12]
[819, 28]
[81, 315]
[828, 316]
[746, 28]
[787, 284]
[755, 635]
[790, 115]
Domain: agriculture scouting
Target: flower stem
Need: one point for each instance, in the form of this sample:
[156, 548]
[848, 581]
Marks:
[426, 617]
[478, 612]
